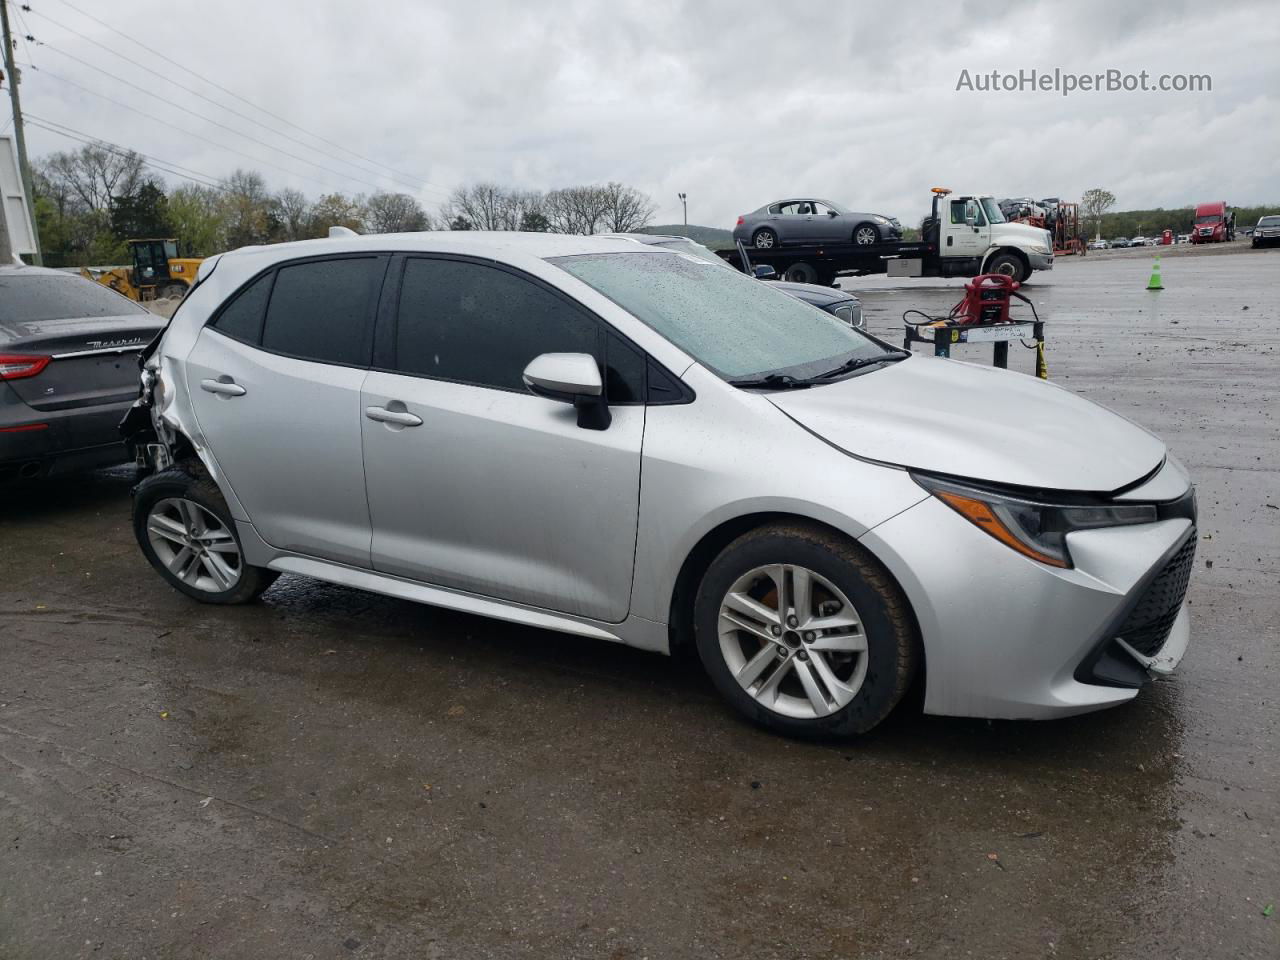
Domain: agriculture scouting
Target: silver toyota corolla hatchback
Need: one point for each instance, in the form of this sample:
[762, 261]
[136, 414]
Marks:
[637, 445]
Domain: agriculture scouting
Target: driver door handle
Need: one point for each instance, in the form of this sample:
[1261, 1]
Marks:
[400, 417]
[225, 388]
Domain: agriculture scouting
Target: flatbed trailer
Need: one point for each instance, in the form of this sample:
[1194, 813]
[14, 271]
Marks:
[962, 237]
[823, 262]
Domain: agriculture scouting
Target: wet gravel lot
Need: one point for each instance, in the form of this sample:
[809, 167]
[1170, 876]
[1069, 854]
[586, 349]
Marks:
[332, 774]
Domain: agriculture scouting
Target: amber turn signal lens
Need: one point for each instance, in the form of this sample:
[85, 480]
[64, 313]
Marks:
[982, 516]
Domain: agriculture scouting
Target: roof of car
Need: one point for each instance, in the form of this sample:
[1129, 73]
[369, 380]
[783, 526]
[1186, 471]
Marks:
[480, 242]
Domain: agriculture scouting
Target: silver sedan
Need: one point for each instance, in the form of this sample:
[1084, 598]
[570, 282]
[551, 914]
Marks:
[637, 445]
[813, 221]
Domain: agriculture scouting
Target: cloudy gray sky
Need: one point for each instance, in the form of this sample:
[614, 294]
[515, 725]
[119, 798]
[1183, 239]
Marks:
[736, 103]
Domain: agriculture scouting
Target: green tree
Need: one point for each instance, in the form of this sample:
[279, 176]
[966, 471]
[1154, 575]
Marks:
[141, 214]
[197, 216]
[535, 222]
[459, 223]
[336, 210]
[1094, 203]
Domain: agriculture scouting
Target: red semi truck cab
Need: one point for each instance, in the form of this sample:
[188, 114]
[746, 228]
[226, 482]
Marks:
[1214, 223]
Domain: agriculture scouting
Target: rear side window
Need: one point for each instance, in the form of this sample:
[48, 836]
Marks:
[477, 324]
[242, 317]
[323, 310]
[32, 299]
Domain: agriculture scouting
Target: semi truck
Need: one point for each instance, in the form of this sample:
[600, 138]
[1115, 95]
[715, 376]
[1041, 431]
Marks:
[1214, 223]
[964, 235]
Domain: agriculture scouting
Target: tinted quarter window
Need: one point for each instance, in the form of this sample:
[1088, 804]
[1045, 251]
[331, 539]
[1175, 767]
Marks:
[242, 317]
[478, 324]
[323, 310]
[624, 372]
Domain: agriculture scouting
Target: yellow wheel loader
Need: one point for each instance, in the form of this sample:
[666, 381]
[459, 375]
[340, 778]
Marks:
[157, 272]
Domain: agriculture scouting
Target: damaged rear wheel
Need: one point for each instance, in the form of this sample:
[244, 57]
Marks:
[186, 531]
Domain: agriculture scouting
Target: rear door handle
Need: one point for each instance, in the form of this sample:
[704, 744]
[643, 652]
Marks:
[402, 418]
[225, 388]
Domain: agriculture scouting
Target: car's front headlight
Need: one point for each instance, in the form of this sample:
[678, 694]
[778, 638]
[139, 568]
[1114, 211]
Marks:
[1035, 529]
[1039, 248]
[879, 219]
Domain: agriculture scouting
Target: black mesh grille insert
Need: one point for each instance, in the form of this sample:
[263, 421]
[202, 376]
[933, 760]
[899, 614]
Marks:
[1149, 622]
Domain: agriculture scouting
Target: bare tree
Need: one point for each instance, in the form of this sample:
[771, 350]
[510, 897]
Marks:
[576, 209]
[626, 208]
[93, 175]
[483, 205]
[247, 209]
[292, 210]
[395, 213]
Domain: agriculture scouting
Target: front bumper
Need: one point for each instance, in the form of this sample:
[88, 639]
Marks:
[1007, 637]
[1040, 261]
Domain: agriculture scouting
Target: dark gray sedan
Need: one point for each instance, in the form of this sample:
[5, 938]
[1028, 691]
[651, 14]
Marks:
[67, 371]
[813, 221]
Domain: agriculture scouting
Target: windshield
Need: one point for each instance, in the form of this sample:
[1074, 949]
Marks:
[1209, 218]
[1269, 222]
[994, 213]
[45, 297]
[694, 249]
[730, 323]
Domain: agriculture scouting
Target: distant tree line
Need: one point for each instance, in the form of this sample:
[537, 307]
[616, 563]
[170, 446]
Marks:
[1132, 223]
[90, 201]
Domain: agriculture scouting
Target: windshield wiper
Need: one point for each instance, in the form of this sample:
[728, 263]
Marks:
[857, 363]
[784, 381]
[774, 381]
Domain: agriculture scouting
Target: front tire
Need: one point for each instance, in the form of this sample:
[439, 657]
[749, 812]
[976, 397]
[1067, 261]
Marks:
[865, 234]
[1008, 265]
[804, 633]
[764, 239]
[186, 532]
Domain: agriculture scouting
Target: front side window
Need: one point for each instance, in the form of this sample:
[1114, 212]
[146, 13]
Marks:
[730, 323]
[477, 324]
[323, 310]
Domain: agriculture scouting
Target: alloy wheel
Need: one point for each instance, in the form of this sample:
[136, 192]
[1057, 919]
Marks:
[865, 235]
[793, 641]
[764, 240]
[194, 545]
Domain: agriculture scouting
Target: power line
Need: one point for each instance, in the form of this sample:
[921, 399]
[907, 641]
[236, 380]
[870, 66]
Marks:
[406, 181]
[232, 93]
[198, 116]
[196, 176]
[167, 123]
[162, 166]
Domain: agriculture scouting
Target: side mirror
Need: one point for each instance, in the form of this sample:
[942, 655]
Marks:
[571, 378]
[971, 217]
[832, 213]
[765, 272]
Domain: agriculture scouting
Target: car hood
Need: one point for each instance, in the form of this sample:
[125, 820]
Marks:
[813, 293]
[963, 420]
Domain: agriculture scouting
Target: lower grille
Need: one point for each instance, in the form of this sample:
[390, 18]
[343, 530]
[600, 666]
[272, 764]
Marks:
[1148, 624]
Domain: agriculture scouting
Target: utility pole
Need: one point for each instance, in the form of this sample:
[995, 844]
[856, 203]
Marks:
[685, 204]
[6, 251]
[24, 168]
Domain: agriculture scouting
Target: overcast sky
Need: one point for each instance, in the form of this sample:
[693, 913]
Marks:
[735, 103]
